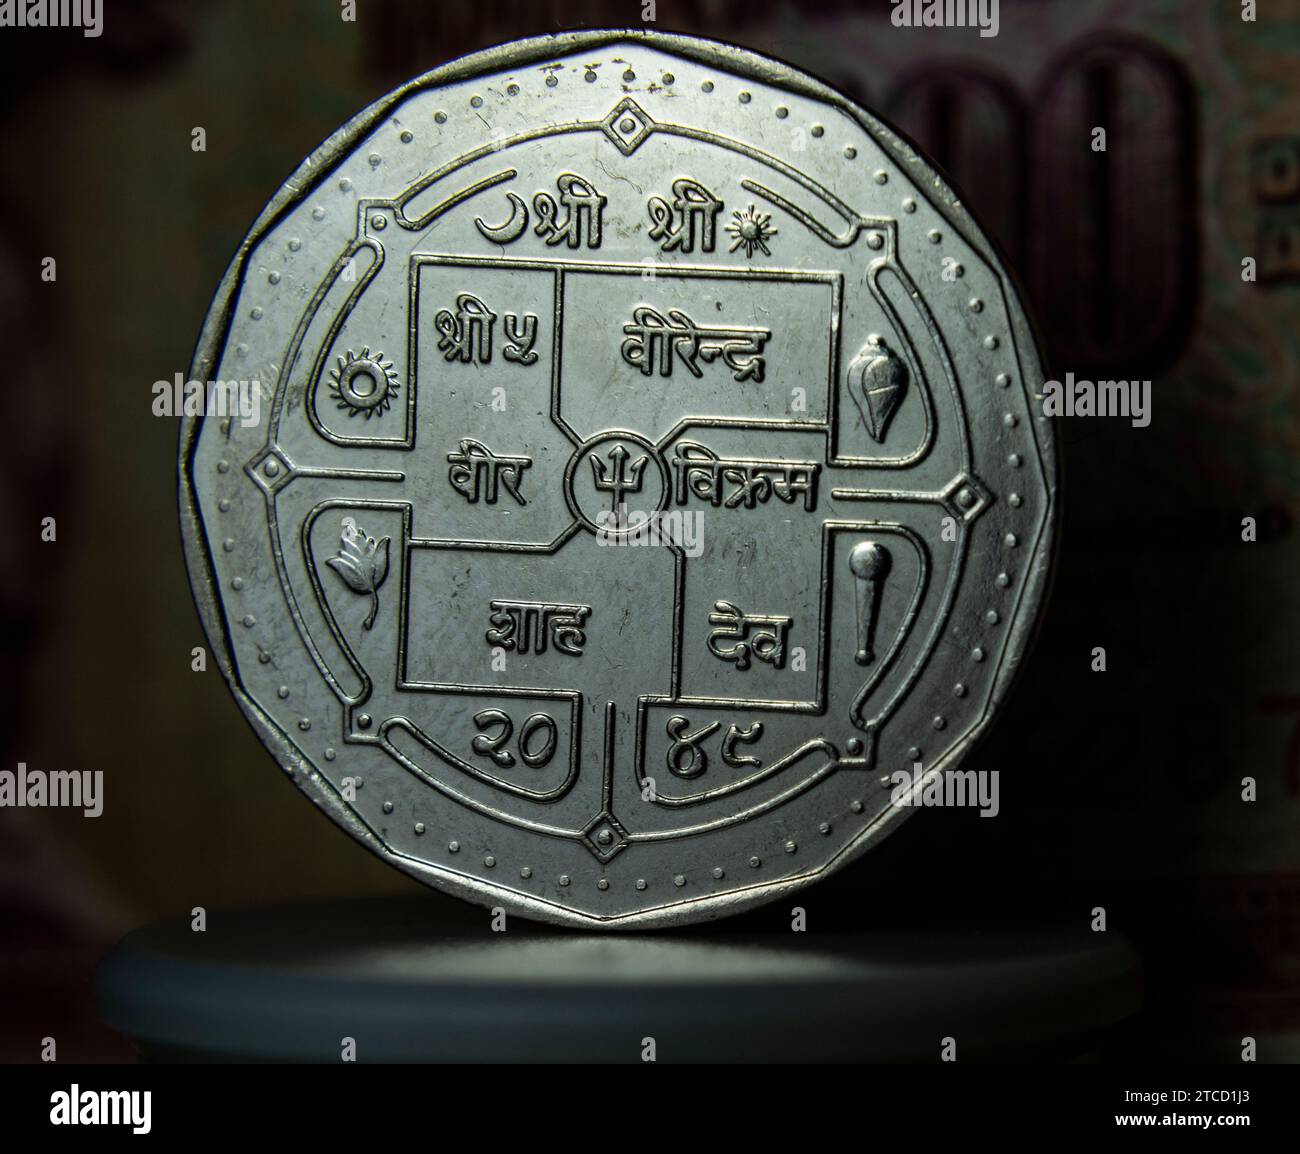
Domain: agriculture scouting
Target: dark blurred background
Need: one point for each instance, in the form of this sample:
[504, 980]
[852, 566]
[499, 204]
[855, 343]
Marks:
[1119, 789]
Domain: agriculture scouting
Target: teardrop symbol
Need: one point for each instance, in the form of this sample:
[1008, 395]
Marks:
[877, 381]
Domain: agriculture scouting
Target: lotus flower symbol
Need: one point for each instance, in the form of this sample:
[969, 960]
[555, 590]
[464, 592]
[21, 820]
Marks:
[362, 562]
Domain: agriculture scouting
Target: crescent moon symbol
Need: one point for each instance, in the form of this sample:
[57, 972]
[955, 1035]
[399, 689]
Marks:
[513, 228]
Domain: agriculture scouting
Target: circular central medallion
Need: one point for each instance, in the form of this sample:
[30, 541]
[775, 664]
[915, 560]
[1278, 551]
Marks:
[616, 484]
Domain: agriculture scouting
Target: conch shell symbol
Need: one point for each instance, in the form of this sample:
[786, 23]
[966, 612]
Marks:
[877, 381]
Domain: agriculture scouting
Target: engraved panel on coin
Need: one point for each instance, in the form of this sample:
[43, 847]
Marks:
[648, 470]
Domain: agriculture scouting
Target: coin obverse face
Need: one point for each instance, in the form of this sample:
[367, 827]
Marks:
[646, 472]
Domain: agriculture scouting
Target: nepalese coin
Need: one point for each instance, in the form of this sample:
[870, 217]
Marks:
[647, 473]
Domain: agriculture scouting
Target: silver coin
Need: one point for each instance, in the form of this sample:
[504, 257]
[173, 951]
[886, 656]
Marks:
[647, 470]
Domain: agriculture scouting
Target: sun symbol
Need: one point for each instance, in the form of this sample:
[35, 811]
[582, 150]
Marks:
[752, 229]
[363, 383]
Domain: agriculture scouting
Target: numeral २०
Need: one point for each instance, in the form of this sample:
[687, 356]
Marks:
[538, 738]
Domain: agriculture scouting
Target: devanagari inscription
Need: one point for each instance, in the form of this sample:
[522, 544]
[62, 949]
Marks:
[477, 472]
[652, 339]
[740, 636]
[528, 626]
[699, 472]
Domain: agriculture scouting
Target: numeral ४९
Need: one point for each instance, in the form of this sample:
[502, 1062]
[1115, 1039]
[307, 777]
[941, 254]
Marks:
[685, 757]
[531, 753]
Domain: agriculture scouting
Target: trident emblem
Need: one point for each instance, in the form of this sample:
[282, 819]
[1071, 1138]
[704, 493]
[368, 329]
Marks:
[615, 478]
